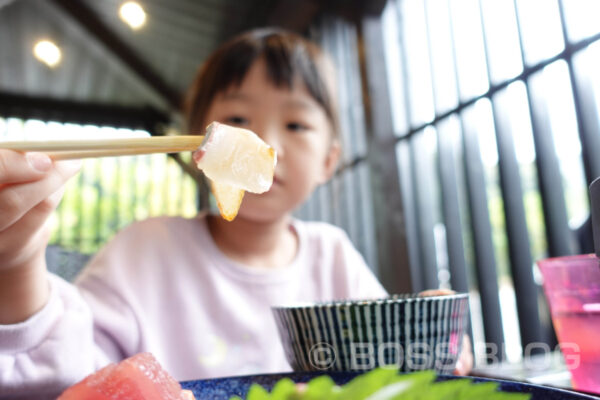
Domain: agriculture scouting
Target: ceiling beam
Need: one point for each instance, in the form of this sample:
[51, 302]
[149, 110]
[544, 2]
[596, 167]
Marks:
[355, 10]
[90, 21]
[78, 112]
[4, 3]
[295, 15]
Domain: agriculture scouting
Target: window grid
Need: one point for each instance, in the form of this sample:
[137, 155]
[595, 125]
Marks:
[109, 193]
[345, 201]
[559, 237]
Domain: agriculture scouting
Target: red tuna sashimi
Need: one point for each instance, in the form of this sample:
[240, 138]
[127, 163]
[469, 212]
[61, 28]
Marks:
[136, 378]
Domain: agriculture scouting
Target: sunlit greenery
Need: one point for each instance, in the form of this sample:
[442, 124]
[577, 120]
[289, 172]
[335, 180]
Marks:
[108, 193]
[111, 193]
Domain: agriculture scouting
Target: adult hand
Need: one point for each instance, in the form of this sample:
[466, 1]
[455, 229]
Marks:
[31, 186]
[464, 365]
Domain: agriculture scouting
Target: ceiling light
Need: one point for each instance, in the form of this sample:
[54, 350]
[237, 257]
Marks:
[132, 14]
[47, 52]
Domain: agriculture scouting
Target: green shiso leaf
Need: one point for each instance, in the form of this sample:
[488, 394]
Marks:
[367, 384]
[319, 386]
[257, 392]
[283, 389]
[439, 390]
[385, 384]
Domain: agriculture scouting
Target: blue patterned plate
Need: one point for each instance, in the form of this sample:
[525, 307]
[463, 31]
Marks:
[224, 388]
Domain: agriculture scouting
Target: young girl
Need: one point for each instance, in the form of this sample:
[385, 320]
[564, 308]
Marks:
[195, 292]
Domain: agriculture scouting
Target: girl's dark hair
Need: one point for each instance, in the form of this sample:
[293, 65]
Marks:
[288, 56]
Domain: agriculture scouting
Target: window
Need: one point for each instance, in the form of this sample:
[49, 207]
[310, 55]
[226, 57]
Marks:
[509, 90]
[108, 193]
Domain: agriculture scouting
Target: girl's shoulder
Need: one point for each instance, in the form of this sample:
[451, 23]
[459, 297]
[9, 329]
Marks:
[164, 221]
[322, 236]
[161, 227]
[154, 237]
[142, 250]
[320, 230]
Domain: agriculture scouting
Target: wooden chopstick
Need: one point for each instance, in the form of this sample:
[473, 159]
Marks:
[73, 149]
[75, 155]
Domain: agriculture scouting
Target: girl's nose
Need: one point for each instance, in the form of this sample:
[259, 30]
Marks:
[271, 136]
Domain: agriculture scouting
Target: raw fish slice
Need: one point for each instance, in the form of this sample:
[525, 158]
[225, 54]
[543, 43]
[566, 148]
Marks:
[229, 198]
[136, 378]
[237, 157]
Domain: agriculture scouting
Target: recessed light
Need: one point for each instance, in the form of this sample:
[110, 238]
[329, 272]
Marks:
[133, 14]
[47, 52]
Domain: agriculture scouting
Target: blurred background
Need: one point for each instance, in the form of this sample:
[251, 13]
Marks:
[470, 129]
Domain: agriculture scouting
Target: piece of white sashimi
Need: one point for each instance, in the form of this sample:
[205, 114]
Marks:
[229, 198]
[235, 160]
[237, 157]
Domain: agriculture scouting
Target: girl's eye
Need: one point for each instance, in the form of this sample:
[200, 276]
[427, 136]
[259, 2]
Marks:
[236, 120]
[296, 127]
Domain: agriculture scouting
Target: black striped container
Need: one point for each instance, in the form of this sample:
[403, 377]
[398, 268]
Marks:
[403, 331]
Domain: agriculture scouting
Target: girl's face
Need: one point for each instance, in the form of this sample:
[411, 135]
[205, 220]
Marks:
[295, 125]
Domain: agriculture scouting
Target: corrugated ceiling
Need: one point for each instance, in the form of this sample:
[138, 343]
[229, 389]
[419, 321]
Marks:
[105, 64]
[177, 37]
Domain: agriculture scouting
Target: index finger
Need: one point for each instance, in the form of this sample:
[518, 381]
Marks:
[18, 167]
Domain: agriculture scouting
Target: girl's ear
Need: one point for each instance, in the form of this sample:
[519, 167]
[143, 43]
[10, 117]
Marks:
[331, 161]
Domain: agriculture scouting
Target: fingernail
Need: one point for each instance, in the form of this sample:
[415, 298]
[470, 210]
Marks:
[39, 161]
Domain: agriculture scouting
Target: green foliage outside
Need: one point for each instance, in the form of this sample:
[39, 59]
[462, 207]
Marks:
[110, 193]
[575, 193]
[534, 215]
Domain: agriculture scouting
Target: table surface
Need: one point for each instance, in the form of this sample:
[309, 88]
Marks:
[224, 388]
[542, 369]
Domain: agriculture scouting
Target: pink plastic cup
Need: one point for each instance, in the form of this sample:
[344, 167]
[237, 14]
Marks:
[572, 288]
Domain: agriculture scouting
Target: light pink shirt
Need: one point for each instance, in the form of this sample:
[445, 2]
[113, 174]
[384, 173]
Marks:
[163, 286]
